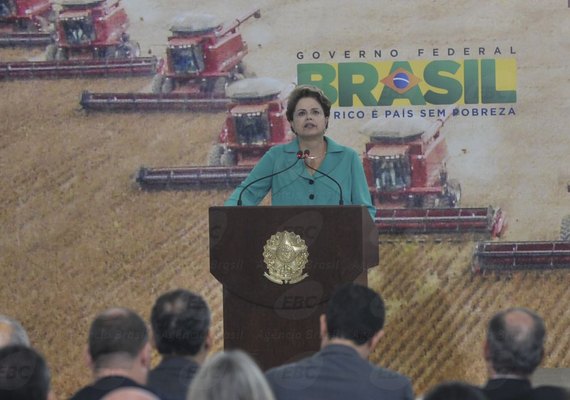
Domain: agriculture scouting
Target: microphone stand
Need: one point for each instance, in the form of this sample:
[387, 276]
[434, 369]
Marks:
[306, 154]
[299, 156]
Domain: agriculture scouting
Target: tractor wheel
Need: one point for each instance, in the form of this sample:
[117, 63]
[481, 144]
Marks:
[157, 82]
[430, 201]
[111, 52]
[134, 49]
[51, 52]
[128, 50]
[215, 155]
[245, 71]
[216, 86]
[167, 85]
[60, 54]
[228, 159]
[162, 84]
[565, 228]
[26, 25]
[453, 193]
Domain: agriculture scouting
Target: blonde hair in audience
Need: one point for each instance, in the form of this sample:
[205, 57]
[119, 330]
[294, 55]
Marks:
[230, 375]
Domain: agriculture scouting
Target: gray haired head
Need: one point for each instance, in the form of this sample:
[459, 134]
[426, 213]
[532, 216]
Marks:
[12, 332]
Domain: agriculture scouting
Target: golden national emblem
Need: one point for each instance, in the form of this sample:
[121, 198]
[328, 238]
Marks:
[285, 254]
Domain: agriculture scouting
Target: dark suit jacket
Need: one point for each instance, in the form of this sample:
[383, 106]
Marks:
[521, 389]
[337, 372]
[104, 386]
[171, 378]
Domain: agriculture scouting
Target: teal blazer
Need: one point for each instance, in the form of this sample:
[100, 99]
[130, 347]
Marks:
[297, 187]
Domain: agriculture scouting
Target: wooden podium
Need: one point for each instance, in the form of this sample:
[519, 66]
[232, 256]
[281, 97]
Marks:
[273, 319]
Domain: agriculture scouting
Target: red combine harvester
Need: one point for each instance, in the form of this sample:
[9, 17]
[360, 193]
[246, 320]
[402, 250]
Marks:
[202, 58]
[525, 255]
[25, 22]
[202, 55]
[255, 121]
[92, 29]
[405, 166]
[91, 40]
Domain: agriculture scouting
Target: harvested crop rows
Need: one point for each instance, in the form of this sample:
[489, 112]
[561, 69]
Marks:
[437, 309]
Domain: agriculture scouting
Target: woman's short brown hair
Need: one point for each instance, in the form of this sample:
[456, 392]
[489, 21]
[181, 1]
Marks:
[302, 91]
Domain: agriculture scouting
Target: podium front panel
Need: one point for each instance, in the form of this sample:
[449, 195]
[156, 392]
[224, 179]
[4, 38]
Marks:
[273, 319]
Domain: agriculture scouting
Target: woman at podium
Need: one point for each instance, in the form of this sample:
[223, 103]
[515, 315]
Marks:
[312, 169]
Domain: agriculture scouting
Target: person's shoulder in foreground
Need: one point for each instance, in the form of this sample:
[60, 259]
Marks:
[119, 354]
[454, 390]
[350, 330]
[180, 322]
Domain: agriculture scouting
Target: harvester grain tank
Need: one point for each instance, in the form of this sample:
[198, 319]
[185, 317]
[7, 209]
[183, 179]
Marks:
[25, 22]
[255, 121]
[91, 40]
[202, 55]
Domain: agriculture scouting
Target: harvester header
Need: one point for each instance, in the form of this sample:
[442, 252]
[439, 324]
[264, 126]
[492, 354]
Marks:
[516, 256]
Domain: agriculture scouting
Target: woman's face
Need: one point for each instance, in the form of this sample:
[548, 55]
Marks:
[309, 118]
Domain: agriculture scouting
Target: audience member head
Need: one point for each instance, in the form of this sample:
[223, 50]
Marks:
[12, 332]
[180, 323]
[230, 375]
[24, 374]
[130, 393]
[454, 391]
[515, 342]
[118, 340]
[303, 91]
[354, 313]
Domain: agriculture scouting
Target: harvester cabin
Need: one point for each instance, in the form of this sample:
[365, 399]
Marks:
[390, 166]
[256, 118]
[185, 52]
[88, 21]
[199, 44]
[251, 123]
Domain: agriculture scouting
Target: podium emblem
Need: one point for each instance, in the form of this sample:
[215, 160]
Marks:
[285, 254]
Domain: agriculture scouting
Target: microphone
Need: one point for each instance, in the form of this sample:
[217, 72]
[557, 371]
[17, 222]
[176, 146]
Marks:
[306, 155]
[299, 156]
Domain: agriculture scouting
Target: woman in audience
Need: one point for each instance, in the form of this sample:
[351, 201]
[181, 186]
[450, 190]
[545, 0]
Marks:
[227, 376]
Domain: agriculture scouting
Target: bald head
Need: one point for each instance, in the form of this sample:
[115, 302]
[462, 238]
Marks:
[12, 333]
[515, 342]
